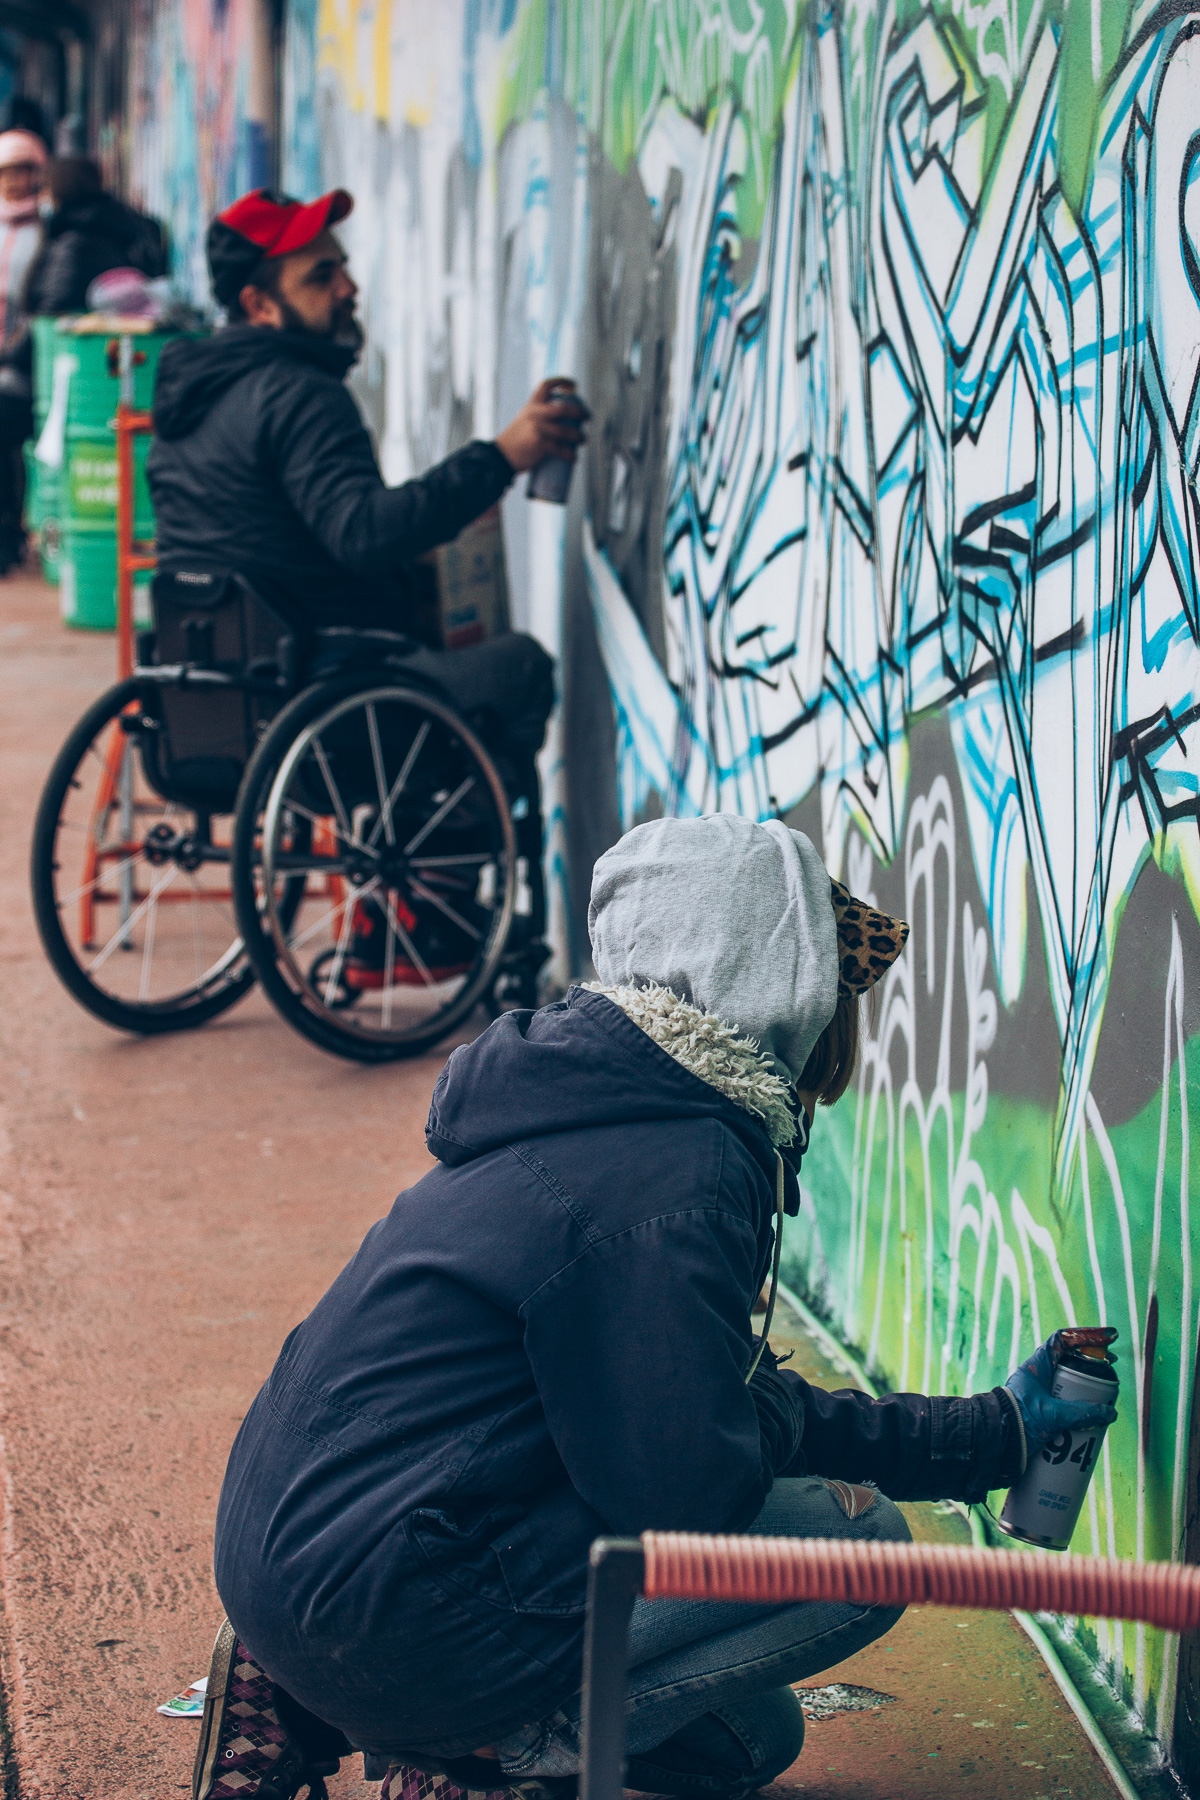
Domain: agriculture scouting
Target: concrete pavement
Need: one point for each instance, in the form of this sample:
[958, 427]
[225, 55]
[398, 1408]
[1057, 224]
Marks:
[170, 1208]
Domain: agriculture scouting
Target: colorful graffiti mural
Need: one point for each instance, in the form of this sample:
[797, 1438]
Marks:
[890, 320]
[185, 94]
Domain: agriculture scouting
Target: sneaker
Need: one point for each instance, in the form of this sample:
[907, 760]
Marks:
[245, 1751]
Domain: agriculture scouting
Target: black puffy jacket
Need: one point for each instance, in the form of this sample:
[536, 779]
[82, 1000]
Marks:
[546, 1339]
[85, 237]
[263, 465]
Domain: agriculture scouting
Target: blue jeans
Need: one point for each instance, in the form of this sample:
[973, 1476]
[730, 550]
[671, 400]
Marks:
[711, 1708]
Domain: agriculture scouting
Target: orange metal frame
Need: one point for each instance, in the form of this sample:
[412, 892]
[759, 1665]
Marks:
[132, 558]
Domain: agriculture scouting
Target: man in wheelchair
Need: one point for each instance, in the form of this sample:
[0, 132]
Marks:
[265, 484]
[262, 463]
[298, 786]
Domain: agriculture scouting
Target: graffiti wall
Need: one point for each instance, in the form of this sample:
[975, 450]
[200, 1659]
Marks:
[889, 316]
[183, 98]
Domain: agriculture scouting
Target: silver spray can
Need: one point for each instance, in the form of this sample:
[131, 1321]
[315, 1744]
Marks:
[1043, 1507]
[551, 478]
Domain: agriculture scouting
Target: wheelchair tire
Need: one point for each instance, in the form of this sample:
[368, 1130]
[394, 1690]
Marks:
[410, 859]
[108, 849]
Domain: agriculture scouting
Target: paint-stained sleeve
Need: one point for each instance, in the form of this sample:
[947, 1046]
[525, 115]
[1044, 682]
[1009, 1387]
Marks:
[639, 1349]
[323, 457]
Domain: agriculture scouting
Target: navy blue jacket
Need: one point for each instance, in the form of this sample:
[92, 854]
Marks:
[546, 1339]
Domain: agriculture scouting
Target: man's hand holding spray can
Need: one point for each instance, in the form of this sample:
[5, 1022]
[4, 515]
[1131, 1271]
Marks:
[1065, 1396]
[551, 479]
[545, 437]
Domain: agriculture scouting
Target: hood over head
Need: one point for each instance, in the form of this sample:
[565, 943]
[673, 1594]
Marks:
[734, 916]
[194, 373]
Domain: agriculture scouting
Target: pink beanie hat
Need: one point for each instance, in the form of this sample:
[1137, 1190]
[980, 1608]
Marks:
[21, 147]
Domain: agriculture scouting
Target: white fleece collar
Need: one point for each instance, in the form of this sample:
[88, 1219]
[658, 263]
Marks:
[712, 1050]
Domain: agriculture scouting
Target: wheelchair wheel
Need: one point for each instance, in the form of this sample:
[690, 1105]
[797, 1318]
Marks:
[392, 812]
[130, 891]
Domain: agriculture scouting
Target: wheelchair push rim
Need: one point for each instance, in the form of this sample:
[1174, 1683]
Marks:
[410, 865]
[131, 890]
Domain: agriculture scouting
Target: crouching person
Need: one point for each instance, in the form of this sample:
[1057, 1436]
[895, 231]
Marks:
[549, 1339]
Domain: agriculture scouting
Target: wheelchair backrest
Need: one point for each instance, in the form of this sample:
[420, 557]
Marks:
[213, 620]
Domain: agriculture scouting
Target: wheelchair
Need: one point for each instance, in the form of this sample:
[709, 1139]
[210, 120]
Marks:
[309, 809]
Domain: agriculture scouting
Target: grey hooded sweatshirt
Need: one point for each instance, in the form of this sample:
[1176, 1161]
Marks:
[734, 917]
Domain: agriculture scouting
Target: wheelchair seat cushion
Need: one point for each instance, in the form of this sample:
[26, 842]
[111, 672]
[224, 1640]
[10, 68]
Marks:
[511, 677]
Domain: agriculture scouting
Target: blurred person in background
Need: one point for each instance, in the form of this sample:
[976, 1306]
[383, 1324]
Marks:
[87, 233]
[23, 158]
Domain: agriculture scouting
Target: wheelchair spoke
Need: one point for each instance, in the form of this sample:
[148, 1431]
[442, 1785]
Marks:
[148, 950]
[335, 967]
[332, 789]
[197, 952]
[389, 964]
[473, 858]
[90, 887]
[325, 862]
[425, 893]
[410, 949]
[384, 821]
[447, 806]
[385, 810]
[319, 924]
[121, 934]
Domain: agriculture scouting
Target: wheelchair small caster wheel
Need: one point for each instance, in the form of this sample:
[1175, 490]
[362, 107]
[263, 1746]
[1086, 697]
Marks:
[334, 989]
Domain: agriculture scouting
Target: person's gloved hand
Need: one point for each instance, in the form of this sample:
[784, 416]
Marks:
[1042, 1416]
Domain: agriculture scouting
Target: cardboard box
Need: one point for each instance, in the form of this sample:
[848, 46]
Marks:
[472, 583]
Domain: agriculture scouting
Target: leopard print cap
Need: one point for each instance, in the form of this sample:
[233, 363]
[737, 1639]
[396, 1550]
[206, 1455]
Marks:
[868, 941]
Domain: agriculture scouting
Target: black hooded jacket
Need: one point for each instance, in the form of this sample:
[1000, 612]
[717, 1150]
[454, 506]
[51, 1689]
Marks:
[546, 1339]
[86, 236]
[261, 464]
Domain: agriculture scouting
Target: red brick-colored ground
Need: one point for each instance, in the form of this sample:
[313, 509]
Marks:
[169, 1208]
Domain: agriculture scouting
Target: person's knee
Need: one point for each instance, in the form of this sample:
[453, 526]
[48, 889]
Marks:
[873, 1518]
[884, 1522]
[772, 1730]
[727, 1752]
[825, 1506]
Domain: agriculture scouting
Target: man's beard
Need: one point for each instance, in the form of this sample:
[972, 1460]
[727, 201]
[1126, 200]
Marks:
[345, 331]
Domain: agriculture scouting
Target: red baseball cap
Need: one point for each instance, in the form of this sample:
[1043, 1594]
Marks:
[265, 224]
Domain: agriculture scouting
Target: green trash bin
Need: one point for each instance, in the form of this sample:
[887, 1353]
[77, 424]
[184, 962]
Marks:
[88, 558]
[75, 505]
[43, 482]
